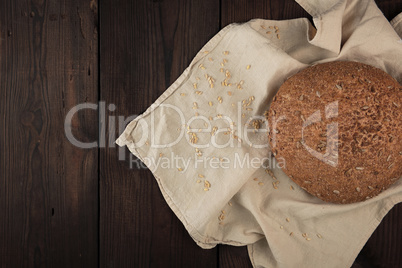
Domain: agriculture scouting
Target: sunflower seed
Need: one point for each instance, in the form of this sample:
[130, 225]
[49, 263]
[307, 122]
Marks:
[348, 172]
[336, 192]
[358, 189]
[380, 153]
[360, 168]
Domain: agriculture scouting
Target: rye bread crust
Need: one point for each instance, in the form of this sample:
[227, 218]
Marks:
[338, 126]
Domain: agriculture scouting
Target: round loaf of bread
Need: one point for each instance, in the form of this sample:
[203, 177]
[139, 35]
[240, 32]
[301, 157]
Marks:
[337, 127]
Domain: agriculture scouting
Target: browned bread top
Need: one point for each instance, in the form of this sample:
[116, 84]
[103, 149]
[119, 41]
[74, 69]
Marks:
[338, 126]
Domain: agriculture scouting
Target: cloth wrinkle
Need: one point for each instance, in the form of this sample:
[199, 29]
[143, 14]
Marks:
[255, 205]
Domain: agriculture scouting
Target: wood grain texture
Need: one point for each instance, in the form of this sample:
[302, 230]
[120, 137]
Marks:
[145, 46]
[48, 187]
[243, 11]
[390, 8]
[384, 247]
[230, 256]
[49, 63]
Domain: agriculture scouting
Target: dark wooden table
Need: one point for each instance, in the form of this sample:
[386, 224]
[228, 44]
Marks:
[64, 206]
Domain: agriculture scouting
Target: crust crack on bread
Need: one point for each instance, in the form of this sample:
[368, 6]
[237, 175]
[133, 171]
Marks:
[338, 126]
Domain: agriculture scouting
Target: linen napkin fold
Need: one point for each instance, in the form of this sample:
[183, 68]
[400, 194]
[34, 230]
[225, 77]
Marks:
[205, 140]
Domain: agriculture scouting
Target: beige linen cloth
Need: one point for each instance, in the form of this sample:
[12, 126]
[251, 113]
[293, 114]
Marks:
[206, 145]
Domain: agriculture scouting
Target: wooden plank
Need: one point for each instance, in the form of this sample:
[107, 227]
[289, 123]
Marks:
[48, 187]
[230, 256]
[390, 8]
[243, 11]
[384, 246]
[145, 46]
